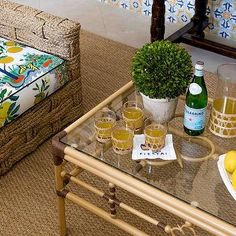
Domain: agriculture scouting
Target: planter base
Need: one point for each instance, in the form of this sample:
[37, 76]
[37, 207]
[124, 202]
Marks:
[162, 110]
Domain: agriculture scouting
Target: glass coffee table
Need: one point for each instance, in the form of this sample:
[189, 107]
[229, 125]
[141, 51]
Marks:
[189, 187]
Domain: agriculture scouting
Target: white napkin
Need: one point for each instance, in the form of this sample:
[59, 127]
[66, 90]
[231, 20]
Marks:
[167, 153]
[225, 176]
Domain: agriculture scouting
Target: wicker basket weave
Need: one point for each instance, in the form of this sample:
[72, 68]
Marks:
[222, 125]
[53, 35]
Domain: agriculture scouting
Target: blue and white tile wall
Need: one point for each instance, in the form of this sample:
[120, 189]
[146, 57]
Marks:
[222, 13]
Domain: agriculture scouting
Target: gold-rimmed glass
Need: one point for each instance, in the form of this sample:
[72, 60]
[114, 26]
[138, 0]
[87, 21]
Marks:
[105, 120]
[155, 135]
[122, 139]
[133, 114]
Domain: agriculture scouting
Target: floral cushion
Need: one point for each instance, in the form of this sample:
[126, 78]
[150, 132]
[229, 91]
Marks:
[27, 76]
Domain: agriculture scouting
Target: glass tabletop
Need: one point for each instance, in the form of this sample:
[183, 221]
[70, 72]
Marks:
[186, 180]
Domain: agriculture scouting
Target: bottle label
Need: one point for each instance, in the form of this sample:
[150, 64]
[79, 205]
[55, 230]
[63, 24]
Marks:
[195, 89]
[194, 119]
[198, 72]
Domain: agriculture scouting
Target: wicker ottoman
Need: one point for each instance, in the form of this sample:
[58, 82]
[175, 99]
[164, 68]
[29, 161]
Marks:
[56, 36]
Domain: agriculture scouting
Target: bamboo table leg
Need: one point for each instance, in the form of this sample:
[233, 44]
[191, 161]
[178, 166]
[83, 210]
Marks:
[112, 197]
[60, 199]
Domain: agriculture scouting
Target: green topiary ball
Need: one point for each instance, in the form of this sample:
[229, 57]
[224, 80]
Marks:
[162, 69]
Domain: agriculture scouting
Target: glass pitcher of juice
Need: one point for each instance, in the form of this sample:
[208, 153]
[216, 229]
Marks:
[223, 115]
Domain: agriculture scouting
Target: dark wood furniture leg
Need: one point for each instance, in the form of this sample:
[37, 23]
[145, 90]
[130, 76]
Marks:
[200, 19]
[192, 33]
[158, 20]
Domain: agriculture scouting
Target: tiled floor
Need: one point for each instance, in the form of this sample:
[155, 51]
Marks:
[117, 24]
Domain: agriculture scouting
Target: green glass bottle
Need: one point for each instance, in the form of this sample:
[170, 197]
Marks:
[196, 103]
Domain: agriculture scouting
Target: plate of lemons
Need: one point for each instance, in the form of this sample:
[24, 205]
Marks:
[227, 168]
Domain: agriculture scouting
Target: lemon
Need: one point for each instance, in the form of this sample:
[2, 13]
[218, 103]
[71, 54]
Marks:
[230, 161]
[234, 180]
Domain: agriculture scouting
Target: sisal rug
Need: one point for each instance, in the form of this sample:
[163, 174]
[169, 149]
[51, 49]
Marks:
[27, 197]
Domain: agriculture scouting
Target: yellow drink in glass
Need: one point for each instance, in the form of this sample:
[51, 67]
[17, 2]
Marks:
[225, 105]
[155, 133]
[155, 136]
[222, 121]
[105, 120]
[223, 117]
[103, 129]
[133, 115]
[107, 124]
[122, 140]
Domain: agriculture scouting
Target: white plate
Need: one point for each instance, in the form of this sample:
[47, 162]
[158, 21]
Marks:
[225, 176]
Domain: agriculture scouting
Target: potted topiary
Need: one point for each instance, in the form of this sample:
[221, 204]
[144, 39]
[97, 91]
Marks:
[161, 71]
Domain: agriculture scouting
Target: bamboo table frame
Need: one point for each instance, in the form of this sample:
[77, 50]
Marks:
[63, 153]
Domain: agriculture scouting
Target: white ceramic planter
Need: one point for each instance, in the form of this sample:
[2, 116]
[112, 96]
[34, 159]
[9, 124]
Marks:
[162, 110]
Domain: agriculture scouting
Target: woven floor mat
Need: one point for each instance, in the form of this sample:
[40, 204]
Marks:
[27, 197]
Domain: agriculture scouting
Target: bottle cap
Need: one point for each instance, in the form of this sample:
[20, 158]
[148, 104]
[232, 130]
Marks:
[199, 65]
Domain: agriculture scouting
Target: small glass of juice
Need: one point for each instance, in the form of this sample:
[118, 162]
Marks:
[122, 139]
[105, 120]
[133, 115]
[155, 135]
